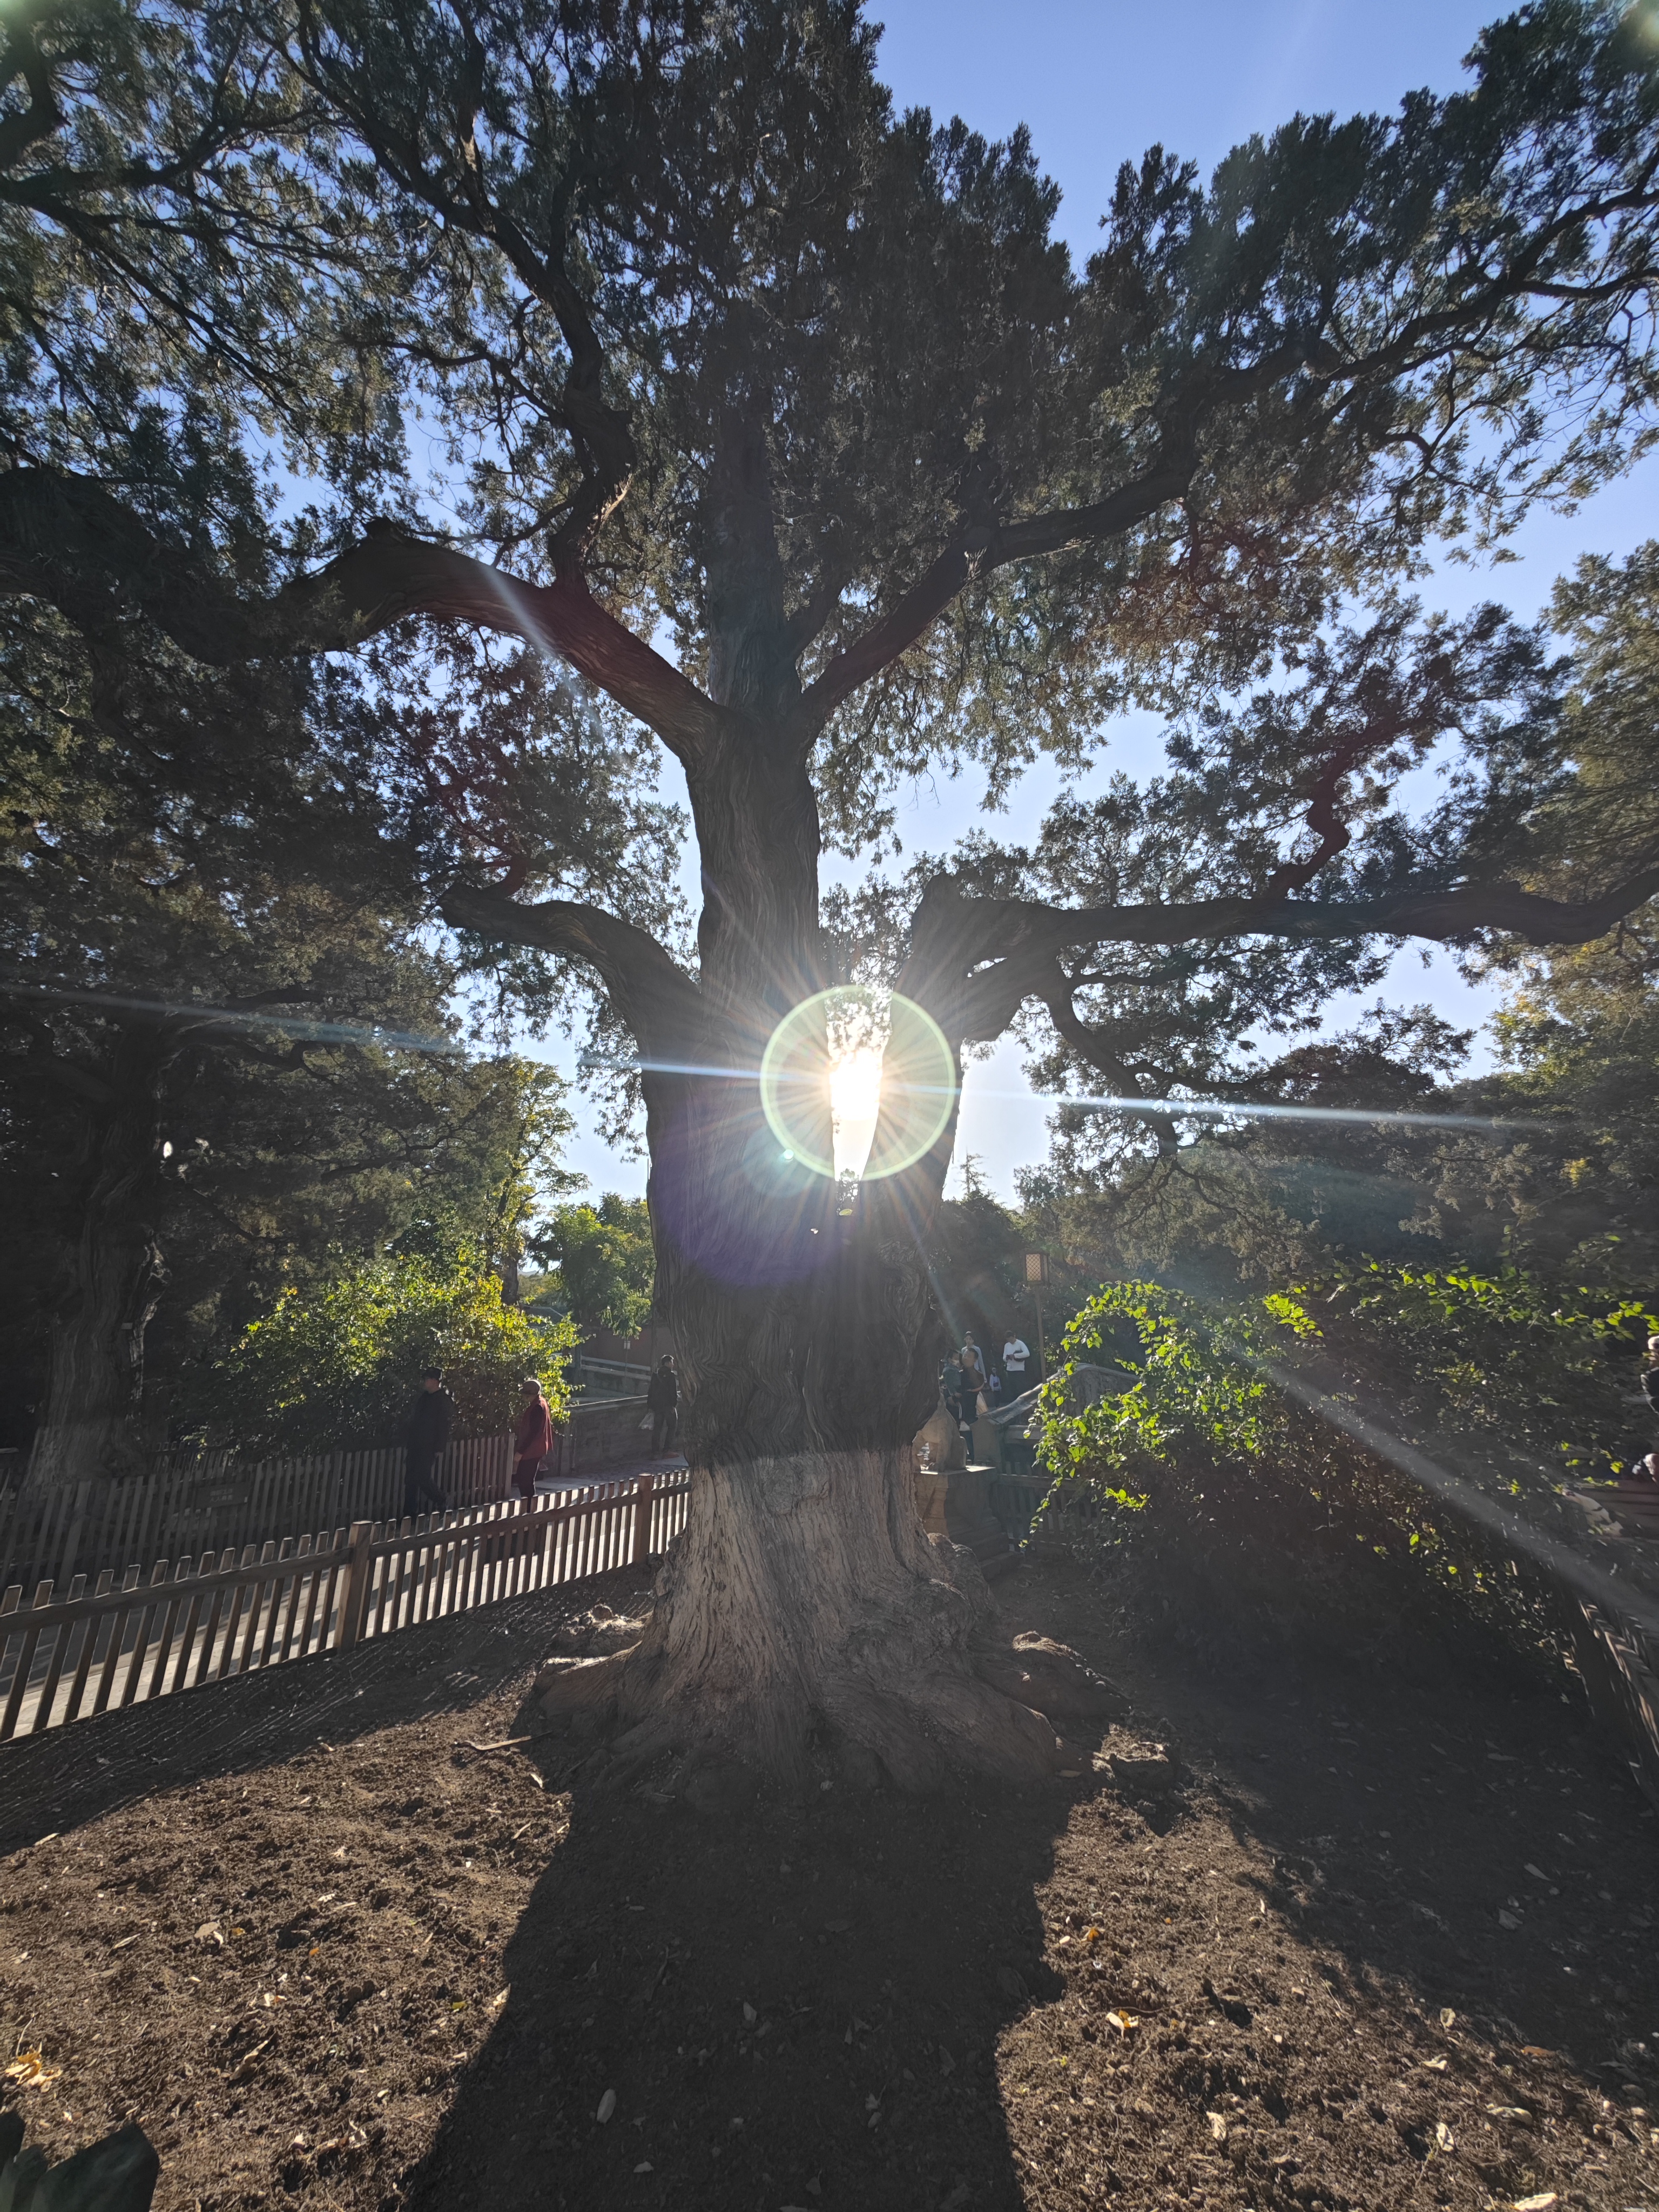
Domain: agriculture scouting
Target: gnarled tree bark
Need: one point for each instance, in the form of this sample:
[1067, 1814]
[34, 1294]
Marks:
[111, 1268]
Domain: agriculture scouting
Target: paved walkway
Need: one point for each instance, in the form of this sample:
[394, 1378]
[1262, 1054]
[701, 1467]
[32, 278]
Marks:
[624, 1471]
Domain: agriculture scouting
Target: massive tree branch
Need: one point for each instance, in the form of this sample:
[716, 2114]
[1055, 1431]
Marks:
[974, 961]
[68, 541]
[660, 1005]
[1090, 1045]
[1407, 912]
[1420, 340]
[976, 552]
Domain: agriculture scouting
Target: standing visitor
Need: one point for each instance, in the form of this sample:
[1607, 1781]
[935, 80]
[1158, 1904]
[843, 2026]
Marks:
[532, 1438]
[427, 1438]
[1015, 1353]
[971, 1370]
[950, 1387]
[1651, 1375]
[662, 1395]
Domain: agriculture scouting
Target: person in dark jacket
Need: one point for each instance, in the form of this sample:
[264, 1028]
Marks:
[430, 1419]
[662, 1395]
[532, 1438]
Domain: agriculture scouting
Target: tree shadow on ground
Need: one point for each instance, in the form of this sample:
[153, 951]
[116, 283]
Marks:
[1478, 1843]
[846, 2003]
[795, 2003]
[58, 1780]
[1388, 1937]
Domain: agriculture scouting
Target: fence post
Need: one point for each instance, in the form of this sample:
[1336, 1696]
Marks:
[354, 1597]
[643, 1491]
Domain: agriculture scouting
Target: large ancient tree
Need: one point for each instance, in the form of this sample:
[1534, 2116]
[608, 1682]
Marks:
[783, 421]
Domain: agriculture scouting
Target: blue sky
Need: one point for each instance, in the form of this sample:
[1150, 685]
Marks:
[1096, 84]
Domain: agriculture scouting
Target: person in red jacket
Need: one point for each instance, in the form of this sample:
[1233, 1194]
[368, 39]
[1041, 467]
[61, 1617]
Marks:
[532, 1438]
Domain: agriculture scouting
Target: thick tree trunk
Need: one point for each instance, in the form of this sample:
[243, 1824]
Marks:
[89, 1423]
[804, 1610]
[804, 1605]
[110, 1275]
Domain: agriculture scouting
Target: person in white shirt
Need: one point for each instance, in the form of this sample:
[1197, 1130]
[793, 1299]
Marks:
[1015, 1353]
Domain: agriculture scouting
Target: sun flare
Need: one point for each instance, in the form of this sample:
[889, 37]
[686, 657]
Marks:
[854, 1105]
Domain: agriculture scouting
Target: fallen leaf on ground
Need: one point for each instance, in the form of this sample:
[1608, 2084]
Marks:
[1122, 2021]
[1217, 2126]
[1535, 2203]
[1508, 1920]
[210, 1932]
[30, 2070]
[607, 2105]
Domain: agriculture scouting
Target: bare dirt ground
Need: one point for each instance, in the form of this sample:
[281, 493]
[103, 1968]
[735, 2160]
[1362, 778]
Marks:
[1364, 1942]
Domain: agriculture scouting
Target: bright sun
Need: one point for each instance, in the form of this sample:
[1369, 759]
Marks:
[855, 1103]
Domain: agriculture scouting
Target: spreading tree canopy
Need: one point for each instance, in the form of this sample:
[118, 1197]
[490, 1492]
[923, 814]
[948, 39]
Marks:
[783, 421]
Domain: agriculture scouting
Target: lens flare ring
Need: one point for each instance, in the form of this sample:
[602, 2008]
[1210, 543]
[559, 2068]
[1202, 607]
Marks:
[850, 1059]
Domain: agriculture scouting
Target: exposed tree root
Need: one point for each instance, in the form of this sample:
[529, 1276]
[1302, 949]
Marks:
[1050, 1677]
[805, 1618]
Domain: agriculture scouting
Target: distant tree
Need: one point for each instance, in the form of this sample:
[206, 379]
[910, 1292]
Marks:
[737, 365]
[224, 1054]
[604, 1263]
[1556, 1168]
[229, 1052]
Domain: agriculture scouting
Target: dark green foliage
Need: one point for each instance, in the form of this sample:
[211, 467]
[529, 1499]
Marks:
[337, 1365]
[1557, 1170]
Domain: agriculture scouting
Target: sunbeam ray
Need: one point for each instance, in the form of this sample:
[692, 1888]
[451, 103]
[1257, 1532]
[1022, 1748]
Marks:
[300, 1026]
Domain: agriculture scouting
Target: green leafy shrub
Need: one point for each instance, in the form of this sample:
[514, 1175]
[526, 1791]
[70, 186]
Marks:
[338, 1366]
[1512, 1362]
[1215, 1475]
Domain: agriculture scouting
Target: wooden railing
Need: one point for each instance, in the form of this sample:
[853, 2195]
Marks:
[202, 1619]
[202, 1502]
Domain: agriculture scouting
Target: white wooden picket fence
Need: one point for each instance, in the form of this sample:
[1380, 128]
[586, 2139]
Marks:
[204, 1618]
[202, 1502]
